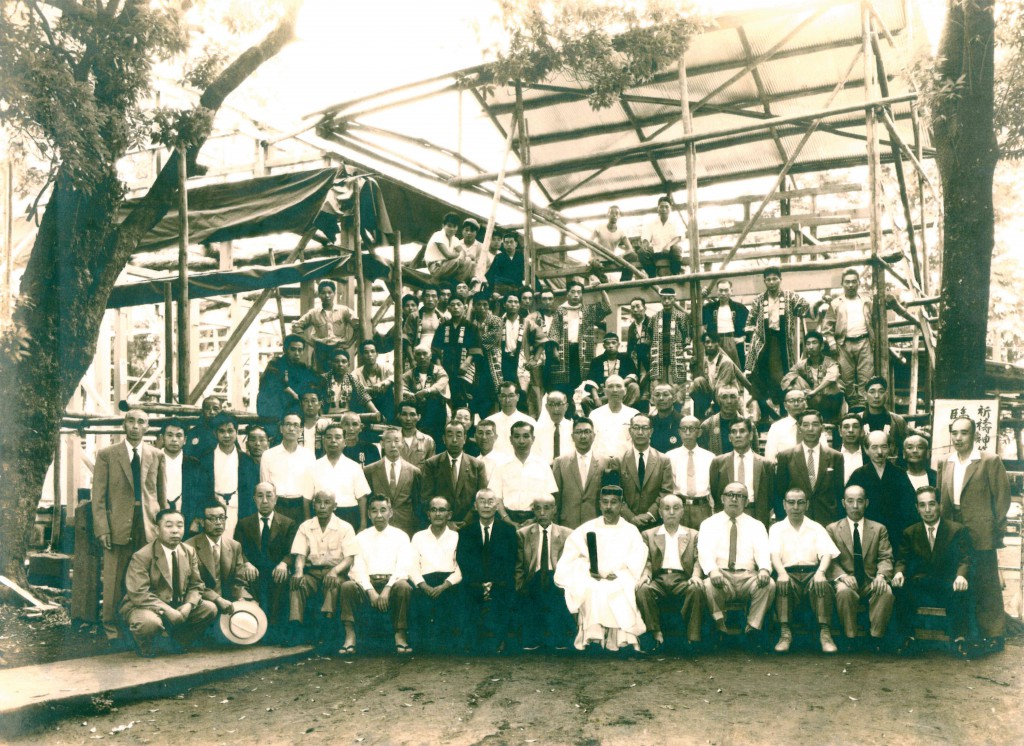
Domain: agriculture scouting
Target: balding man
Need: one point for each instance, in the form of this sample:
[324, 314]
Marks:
[732, 548]
[546, 621]
[691, 474]
[611, 421]
[128, 490]
[887, 489]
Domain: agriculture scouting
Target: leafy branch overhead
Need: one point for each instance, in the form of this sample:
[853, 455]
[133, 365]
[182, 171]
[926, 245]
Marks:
[603, 47]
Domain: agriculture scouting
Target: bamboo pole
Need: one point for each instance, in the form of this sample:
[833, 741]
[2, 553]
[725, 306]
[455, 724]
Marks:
[279, 301]
[362, 291]
[925, 274]
[524, 158]
[399, 365]
[168, 343]
[692, 229]
[184, 323]
[496, 200]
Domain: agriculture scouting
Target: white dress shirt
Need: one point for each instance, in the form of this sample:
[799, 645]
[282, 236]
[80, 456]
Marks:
[670, 561]
[960, 471]
[345, 480]
[751, 544]
[800, 546]
[225, 471]
[852, 460]
[381, 553]
[503, 426]
[612, 430]
[678, 458]
[662, 235]
[173, 467]
[431, 553]
[517, 483]
[544, 443]
[492, 462]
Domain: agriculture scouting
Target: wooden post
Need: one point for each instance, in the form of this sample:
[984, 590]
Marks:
[692, 229]
[915, 359]
[399, 363]
[499, 184]
[881, 351]
[57, 495]
[524, 159]
[184, 323]
[7, 246]
[919, 152]
[363, 292]
[168, 343]
[280, 302]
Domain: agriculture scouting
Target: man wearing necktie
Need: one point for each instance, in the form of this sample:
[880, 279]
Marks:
[164, 589]
[932, 568]
[455, 475]
[546, 621]
[812, 467]
[222, 566]
[128, 490]
[691, 473]
[864, 567]
[400, 481]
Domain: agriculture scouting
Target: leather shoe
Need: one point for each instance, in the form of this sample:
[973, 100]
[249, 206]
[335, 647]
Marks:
[827, 644]
[785, 640]
[906, 648]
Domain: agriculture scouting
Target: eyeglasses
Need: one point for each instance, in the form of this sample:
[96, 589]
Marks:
[734, 495]
[216, 519]
[438, 510]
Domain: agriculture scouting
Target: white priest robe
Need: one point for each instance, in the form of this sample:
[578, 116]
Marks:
[607, 608]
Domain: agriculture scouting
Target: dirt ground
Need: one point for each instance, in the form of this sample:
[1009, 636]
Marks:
[721, 698]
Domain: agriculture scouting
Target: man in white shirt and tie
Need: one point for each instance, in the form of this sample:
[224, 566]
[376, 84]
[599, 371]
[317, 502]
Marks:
[289, 468]
[521, 479]
[691, 474]
[801, 552]
[434, 573]
[379, 577]
[732, 549]
[554, 430]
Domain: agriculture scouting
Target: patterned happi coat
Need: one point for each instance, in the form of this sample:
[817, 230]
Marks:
[588, 339]
[491, 330]
[678, 338]
[757, 325]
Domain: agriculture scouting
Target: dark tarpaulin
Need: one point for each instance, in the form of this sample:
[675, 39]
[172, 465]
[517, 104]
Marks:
[282, 203]
[229, 282]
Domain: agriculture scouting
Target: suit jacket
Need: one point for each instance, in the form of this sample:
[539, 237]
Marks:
[950, 557]
[422, 449]
[824, 499]
[496, 565]
[658, 481]
[148, 581]
[875, 547]
[687, 540]
[223, 580]
[984, 499]
[437, 480]
[248, 478]
[191, 481]
[113, 493]
[709, 317]
[711, 439]
[891, 498]
[282, 535]
[406, 497]
[578, 494]
[760, 506]
[528, 561]
[834, 327]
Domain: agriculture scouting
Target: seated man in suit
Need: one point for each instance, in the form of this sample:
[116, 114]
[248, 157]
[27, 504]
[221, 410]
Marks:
[324, 549]
[745, 466]
[434, 573]
[399, 481]
[644, 474]
[486, 554]
[672, 572]
[932, 569]
[455, 474]
[801, 552]
[691, 474]
[163, 589]
[732, 549]
[546, 620]
[599, 569]
[222, 566]
[863, 568]
[266, 539]
[379, 577]
[578, 477]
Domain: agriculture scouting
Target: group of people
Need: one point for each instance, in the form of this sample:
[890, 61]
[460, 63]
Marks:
[543, 482]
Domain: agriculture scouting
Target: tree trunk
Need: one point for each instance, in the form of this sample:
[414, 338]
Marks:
[966, 153]
[78, 254]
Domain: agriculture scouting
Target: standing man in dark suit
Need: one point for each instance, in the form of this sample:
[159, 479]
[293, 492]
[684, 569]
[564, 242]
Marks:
[672, 572]
[266, 539]
[486, 554]
[400, 481]
[748, 468]
[546, 621]
[889, 493]
[975, 491]
[578, 477]
[222, 566]
[128, 487]
[863, 568]
[644, 474]
[454, 474]
[728, 319]
[932, 569]
[164, 590]
[812, 467]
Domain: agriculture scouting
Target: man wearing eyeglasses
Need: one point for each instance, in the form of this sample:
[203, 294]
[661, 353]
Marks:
[732, 548]
[222, 566]
[644, 474]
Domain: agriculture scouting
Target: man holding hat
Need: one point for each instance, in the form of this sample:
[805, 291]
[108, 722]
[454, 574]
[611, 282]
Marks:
[222, 566]
[332, 326]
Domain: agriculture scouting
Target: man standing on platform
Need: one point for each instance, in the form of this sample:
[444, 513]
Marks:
[574, 333]
[975, 491]
[328, 328]
[128, 491]
[727, 318]
[670, 336]
[508, 268]
[639, 337]
[847, 329]
[456, 345]
[546, 622]
[599, 569]
[201, 438]
[535, 337]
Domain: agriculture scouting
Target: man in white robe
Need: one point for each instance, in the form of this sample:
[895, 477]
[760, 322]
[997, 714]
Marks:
[605, 601]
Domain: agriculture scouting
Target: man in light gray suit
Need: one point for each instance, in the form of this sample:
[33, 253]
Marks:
[578, 476]
[749, 468]
[645, 474]
[128, 488]
[400, 481]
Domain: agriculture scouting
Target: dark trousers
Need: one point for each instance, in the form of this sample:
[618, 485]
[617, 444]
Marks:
[145, 624]
[671, 588]
[350, 515]
[485, 618]
[927, 591]
[544, 617]
[271, 596]
[354, 598]
[434, 622]
[771, 366]
[988, 592]
[294, 508]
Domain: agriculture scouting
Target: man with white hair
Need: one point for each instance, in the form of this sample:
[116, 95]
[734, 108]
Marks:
[611, 421]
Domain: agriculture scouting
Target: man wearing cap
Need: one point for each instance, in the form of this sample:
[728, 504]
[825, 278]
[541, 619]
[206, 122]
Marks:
[671, 334]
[661, 239]
[282, 380]
[574, 333]
[744, 465]
[817, 375]
[801, 552]
[611, 363]
[266, 539]
[445, 256]
[732, 549]
[602, 561]
[690, 467]
[128, 491]
[508, 268]
[223, 568]
[771, 329]
[672, 573]
[726, 318]
[332, 326]
[289, 468]
[225, 472]
[546, 622]
[848, 330]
